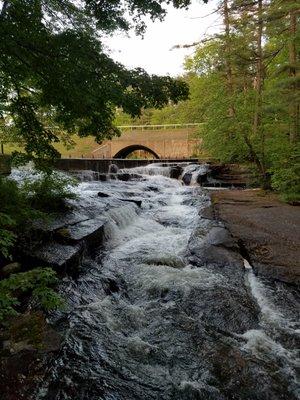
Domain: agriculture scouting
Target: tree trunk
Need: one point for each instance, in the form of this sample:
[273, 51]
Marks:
[294, 104]
[258, 86]
[228, 66]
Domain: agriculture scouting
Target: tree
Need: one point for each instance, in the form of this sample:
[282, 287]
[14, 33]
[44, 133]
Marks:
[54, 71]
[249, 74]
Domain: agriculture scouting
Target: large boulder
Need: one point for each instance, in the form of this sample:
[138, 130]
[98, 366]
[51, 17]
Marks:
[213, 247]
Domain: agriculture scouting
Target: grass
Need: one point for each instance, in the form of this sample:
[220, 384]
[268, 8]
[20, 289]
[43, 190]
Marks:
[83, 147]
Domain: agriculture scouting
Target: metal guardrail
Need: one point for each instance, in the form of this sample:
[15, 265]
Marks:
[158, 127]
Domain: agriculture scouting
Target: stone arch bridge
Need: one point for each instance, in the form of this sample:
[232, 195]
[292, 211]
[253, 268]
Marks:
[159, 141]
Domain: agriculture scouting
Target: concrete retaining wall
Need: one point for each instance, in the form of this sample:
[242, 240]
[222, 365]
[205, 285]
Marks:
[102, 165]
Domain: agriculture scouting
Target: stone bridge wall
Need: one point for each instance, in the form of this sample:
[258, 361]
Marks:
[166, 143]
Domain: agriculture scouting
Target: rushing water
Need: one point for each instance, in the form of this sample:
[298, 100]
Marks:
[146, 320]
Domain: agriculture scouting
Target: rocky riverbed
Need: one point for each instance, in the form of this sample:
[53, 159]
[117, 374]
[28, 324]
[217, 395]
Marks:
[162, 303]
[267, 230]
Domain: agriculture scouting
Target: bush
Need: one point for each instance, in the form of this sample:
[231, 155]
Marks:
[38, 283]
[15, 211]
[287, 182]
[33, 200]
[50, 192]
[7, 237]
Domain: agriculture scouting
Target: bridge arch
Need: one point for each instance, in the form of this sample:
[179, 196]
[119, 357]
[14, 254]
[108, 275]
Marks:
[123, 153]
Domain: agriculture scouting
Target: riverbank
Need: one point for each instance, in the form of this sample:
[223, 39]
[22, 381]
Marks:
[266, 229]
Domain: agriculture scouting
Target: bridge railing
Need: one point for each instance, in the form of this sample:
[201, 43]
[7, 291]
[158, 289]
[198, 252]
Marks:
[159, 127]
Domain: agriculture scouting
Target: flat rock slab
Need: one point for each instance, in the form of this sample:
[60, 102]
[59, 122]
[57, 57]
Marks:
[268, 229]
[90, 232]
[61, 221]
[61, 257]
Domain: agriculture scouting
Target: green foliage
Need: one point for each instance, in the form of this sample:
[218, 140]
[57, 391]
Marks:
[286, 179]
[191, 110]
[247, 122]
[34, 199]
[50, 192]
[38, 283]
[7, 237]
[14, 212]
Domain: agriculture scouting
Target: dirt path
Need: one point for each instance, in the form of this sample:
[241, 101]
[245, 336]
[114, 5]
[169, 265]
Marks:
[268, 229]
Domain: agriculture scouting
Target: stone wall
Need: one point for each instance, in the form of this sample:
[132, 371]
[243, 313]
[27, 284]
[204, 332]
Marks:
[4, 165]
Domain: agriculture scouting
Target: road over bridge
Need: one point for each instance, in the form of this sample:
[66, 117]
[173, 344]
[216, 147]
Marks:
[159, 141]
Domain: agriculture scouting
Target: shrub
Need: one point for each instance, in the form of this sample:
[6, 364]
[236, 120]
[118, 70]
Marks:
[14, 212]
[7, 237]
[50, 192]
[37, 282]
[287, 182]
[34, 199]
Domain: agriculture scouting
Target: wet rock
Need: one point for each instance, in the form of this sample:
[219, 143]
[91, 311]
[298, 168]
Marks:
[101, 194]
[128, 177]
[186, 179]
[137, 202]
[28, 340]
[63, 258]
[175, 172]
[102, 177]
[110, 286]
[42, 227]
[207, 213]
[11, 268]
[216, 247]
[152, 189]
[113, 169]
[279, 272]
[201, 179]
[123, 177]
[170, 261]
[90, 233]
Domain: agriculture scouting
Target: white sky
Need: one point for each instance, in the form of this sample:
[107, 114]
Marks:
[153, 52]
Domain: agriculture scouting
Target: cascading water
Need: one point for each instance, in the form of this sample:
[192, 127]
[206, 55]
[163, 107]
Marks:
[147, 321]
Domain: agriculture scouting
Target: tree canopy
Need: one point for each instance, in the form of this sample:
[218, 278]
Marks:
[55, 73]
[244, 84]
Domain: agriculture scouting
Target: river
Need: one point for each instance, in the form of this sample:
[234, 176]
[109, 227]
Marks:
[165, 311]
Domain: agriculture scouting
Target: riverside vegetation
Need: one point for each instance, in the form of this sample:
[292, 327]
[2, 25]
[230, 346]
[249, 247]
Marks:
[38, 199]
[244, 84]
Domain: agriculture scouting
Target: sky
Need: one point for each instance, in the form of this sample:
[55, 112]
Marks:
[153, 53]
